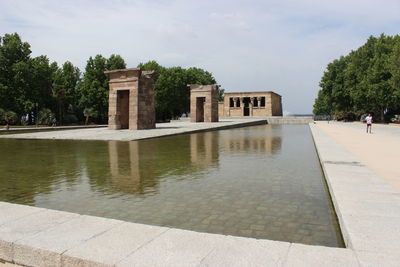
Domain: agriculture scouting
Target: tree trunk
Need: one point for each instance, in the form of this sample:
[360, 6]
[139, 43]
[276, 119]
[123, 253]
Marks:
[87, 120]
[30, 119]
[382, 115]
[60, 115]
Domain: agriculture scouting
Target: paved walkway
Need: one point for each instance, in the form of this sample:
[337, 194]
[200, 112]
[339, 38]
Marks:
[162, 129]
[48, 128]
[380, 151]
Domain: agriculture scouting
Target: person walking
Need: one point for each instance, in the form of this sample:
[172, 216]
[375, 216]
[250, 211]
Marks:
[368, 119]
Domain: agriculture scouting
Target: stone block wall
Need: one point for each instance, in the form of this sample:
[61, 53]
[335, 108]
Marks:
[252, 104]
[208, 94]
[146, 103]
[140, 85]
[276, 105]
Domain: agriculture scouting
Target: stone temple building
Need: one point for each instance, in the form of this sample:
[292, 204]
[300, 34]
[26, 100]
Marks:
[250, 104]
[131, 99]
[203, 103]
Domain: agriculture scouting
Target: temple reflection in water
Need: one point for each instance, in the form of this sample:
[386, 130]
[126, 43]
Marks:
[138, 166]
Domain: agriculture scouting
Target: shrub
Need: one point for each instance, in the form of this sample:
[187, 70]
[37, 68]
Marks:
[45, 116]
[10, 117]
[89, 112]
[395, 119]
[344, 116]
[70, 119]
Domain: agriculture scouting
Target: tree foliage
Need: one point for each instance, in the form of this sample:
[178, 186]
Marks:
[172, 94]
[94, 86]
[36, 89]
[366, 80]
[65, 89]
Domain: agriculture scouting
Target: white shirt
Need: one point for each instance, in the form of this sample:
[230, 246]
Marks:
[369, 119]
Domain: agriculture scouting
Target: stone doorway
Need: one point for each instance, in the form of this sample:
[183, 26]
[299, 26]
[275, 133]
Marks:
[200, 101]
[123, 108]
[246, 106]
[131, 99]
[203, 103]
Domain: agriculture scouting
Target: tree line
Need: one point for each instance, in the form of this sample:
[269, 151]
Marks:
[367, 80]
[34, 90]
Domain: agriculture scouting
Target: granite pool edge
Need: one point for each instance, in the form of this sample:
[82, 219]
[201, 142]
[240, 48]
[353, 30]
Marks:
[41, 237]
[367, 208]
[255, 122]
[162, 130]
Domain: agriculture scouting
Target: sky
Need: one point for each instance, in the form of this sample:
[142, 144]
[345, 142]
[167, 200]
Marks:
[255, 45]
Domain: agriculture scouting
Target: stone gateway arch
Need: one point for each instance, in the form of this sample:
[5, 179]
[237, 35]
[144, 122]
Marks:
[131, 99]
[203, 103]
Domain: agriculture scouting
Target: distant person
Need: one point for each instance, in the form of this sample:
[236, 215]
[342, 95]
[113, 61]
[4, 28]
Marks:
[368, 119]
[53, 122]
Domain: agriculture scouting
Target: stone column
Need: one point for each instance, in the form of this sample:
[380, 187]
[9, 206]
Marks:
[268, 104]
[241, 105]
[251, 106]
[234, 101]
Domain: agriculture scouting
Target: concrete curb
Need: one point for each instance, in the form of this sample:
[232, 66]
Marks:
[368, 208]
[40, 237]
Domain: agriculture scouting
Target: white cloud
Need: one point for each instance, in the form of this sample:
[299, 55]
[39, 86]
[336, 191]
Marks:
[248, 45]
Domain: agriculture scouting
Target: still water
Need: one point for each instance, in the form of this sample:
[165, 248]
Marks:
[262, 182]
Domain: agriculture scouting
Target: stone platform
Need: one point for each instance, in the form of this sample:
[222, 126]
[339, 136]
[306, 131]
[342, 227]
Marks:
[163, 129]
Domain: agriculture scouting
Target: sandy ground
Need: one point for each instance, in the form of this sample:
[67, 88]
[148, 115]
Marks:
[380, 151]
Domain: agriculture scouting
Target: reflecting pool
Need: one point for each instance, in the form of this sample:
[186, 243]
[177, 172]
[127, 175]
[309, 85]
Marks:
[261, 181]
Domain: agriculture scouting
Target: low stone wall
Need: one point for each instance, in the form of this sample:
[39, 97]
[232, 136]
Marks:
[276, 119]
[290, 120]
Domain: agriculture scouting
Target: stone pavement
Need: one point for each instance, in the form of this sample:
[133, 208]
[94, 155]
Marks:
[380, 151]
[40, 237]
[163, 129]
[48, 128]
[368, 210]
[98, 132]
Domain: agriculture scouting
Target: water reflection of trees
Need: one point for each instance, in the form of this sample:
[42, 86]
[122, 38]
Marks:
[30, 167]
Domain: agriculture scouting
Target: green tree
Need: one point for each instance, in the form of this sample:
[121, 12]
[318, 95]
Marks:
[380, 93]
[25, 82]
[45, 116]
[65, 89]
[10, 117]
[173, 93]
[170, 93]
[88, 112]
[221, 93]
[394, 65]
[14, 58]
[115, 62]
[366, 80]
[39, 90]
[322, 104]
[154, 66]
[94, 86]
